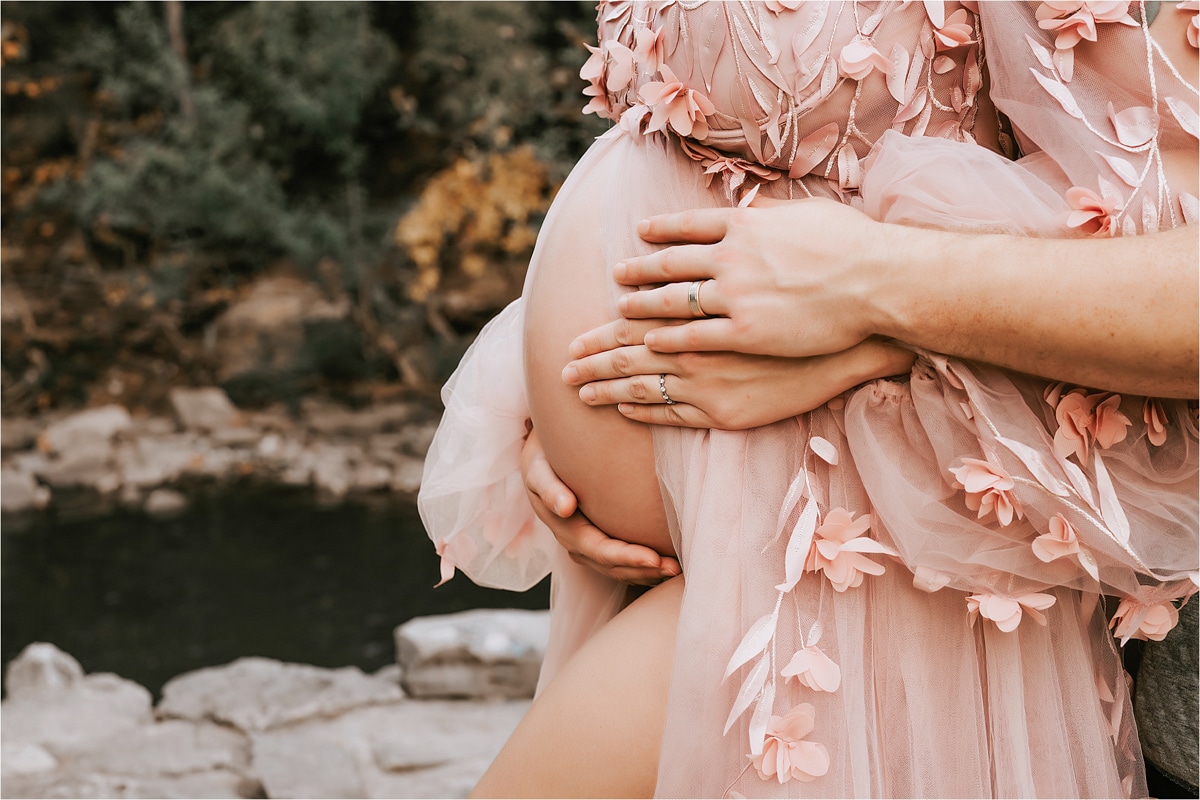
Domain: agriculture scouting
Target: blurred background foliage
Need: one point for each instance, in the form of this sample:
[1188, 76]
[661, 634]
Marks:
[376, 171]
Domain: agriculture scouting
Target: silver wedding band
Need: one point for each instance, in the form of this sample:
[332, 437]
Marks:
[694, 299]
[662, 388]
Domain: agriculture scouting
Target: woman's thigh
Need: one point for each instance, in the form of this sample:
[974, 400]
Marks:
[607, 460]
[596, 730]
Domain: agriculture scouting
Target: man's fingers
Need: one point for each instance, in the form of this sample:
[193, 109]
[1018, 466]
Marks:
[701, 226]
[683, 262]
[611, 335]
[718, 333]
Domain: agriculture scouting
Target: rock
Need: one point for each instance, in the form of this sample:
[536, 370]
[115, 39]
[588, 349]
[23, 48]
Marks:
[371, 477]
[326, 418]
[406, 475]
[53, 704]
[41, 668]
[417, 438]
[90, 432]
[255, 694]
[206, 410]
[388, 672]
[172, 747]
[17, 433]
[19, 491]
[25, 759]
[332, 472]
[83, 444]
[76, 784]
[305, 763]
[165, 502]
[154, 461]
[481, 653]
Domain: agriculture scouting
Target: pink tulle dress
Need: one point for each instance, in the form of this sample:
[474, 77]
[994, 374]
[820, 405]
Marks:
[900, 593]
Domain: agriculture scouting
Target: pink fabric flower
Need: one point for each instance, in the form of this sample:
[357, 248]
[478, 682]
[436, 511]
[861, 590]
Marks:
[779, 6]
[1084, 419]
[1156, 422]
[1109, 425]
[648, 50]
[860, 58]
[1193, 31]
[1133, 620]
[672, 102]
[1006, 612]
[609, 70]
[1076, 20]
[786, 755]
[1093, 213]
[812, 668]
[1061, 541]
[1074, 415]
[956, 32]
[989, 489]
[838, 547]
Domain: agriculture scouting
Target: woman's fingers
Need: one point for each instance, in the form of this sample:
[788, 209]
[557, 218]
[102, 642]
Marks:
[622, 362]
[543, 483]
[701, 226]
[634, 389]
[680, 415]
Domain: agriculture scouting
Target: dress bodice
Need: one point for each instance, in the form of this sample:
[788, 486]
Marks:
[783, 87]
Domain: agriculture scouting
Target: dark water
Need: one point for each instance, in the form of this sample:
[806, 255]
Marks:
[251, 572]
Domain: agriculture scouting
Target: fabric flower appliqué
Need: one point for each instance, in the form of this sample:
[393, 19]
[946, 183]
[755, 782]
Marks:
[1006, 612]
[838, 547]
[989, 490]
[860, 58]
[1156, 422]
[1092, 213]
[672, 102]
[1134, 620]
[1074, 21]
[956, 32]
[1060, 542]
[812, 668]
[609, 70]
[1084, 419]
[1193, 31]
[786, 754]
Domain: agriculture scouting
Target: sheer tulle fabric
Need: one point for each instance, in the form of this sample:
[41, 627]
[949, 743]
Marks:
[979, 663]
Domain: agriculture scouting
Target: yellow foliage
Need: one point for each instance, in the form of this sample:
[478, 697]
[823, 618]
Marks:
[473, 215]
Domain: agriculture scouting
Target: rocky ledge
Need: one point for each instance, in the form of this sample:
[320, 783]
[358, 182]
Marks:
[109, 455]
[262, 728]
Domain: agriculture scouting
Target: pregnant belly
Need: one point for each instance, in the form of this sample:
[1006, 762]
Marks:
[607, 460]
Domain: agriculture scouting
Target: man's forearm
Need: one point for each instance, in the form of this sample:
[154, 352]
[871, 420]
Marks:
[1118, 314]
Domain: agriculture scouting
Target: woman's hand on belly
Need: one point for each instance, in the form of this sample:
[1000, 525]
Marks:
[556, 506]
[730, 391]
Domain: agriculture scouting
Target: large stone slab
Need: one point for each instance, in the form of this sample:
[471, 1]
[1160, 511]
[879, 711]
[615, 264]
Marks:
[52, 704]
[255, 694]
[87, 785]
[85, 431]
[484, 653]
[409, 749]
[20, 491]
[168, 748]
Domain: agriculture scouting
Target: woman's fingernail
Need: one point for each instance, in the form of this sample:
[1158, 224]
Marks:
[561, 505]
[643, 227]
[575, 349]
[623, 303]
[619, 271]
[648, 564]
[587, 394]
[570, 375]
[649, 340]
[624, 408]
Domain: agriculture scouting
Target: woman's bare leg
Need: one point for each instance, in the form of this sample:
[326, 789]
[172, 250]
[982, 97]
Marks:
[597, 729]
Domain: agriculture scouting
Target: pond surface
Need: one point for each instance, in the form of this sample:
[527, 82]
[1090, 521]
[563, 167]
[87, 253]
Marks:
[244, 572]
